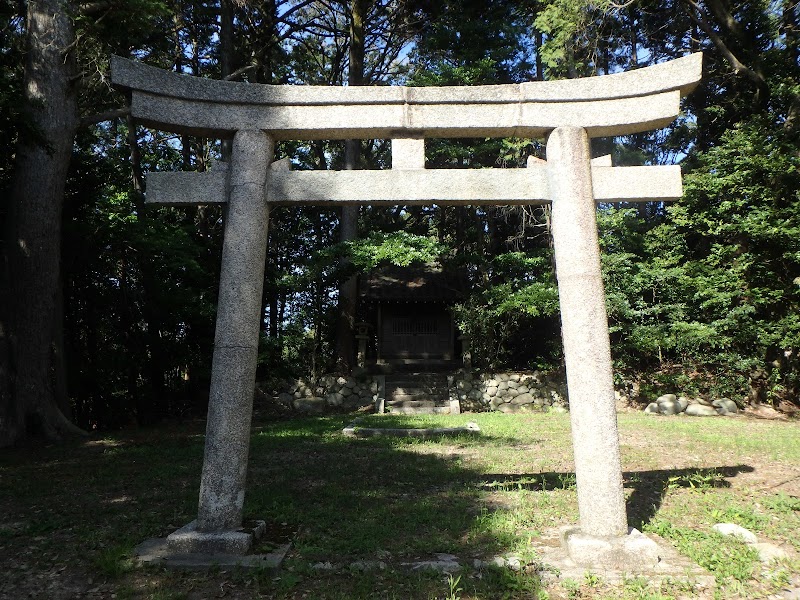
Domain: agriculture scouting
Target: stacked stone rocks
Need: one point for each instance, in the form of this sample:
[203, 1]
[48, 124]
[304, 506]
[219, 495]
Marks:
[509, 392]
[505, 392]
[670, 404]
[330, 392]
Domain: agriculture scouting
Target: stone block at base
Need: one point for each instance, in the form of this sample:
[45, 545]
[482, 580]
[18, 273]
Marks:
[631, 552]
[188, 539]
[556, 566]
[157, 552]
[188, 548]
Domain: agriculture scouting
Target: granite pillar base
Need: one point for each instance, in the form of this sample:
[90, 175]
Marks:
[190, 540]
[632, 552]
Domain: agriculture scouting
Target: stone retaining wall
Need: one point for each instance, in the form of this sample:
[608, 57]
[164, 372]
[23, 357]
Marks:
[331, 392]
[510, 392]
[476, 392]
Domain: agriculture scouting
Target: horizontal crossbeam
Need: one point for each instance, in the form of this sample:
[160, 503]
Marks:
[419, 186]
[608, 105]
[311, 122]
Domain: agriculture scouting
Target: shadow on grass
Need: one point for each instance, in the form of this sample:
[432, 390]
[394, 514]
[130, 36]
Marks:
[649, 487]
[389, 499]
[361, 498]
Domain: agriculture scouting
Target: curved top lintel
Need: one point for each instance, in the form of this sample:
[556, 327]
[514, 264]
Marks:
[681, 74]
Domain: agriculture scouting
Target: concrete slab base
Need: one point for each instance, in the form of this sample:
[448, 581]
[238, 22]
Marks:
[156, 551]
[558, 564]
[188, 539]
[188, 548]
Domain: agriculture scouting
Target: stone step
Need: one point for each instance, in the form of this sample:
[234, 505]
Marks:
[411, 403]
[410, 365]
[436, 410]
[438, 398]
[416, 389]
[416, 407]
[427, 379]
[417, 393]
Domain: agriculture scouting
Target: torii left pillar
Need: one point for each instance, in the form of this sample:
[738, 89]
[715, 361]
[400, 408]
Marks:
[218, 528]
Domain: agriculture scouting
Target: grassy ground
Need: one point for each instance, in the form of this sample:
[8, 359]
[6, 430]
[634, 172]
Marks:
[71, 515]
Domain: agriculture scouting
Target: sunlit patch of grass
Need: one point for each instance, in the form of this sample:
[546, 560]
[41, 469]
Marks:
[776, 440]
[726, 557]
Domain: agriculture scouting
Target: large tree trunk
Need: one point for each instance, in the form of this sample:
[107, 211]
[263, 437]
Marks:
[32, 253]
[348, 290]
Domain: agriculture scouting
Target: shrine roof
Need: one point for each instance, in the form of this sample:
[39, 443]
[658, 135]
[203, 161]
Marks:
[426, 283]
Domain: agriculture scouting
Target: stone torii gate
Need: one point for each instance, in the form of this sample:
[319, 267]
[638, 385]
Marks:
[568, 113]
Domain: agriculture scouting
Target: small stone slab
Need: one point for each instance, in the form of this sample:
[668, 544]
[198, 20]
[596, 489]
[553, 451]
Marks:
[156, 551]
[555, 564]
[737, 531]
[188, 548]
[188, 539]
[513, 563]
[443, 563]
[769, 552]
[353, 430]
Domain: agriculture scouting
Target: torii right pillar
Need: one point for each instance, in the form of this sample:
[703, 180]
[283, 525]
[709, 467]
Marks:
[603, 538]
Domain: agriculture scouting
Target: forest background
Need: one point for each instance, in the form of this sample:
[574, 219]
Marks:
[107, 305]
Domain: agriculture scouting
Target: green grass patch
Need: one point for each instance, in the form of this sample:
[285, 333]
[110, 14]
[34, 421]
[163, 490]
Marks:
[87, 504]
[725, 557]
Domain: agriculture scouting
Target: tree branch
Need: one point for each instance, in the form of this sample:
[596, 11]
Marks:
[108, 115]
[738, 66]
[241, 71]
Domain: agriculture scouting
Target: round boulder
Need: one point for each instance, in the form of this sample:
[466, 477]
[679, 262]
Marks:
[669, 407]
[525, 398]
[464, 385]
[737, 531]
[496, 402]
[652, 409]
[725, 406]
[701, 410]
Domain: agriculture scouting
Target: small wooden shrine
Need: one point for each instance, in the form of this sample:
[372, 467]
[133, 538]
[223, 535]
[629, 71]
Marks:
[406, 314]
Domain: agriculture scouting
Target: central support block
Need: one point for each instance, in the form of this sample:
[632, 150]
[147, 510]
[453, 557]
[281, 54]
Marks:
[631, 552]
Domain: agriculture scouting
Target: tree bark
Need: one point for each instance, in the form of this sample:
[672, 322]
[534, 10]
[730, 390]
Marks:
[32, 253]
[348, 289]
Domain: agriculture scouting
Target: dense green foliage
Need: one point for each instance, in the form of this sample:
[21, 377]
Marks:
[703, 295]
